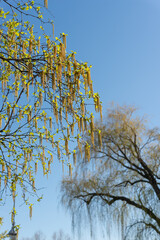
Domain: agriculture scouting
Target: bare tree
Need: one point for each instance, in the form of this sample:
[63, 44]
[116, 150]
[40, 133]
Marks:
[121, 178]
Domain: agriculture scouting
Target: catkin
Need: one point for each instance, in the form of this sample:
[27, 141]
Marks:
[55, 52]
[9, 172]
[40, 98]
[39, 44]
[46, 3]
[8, 110]
[100, 139]
[53, 29]
[64, 40]
[100, 107]
[0, 121]
[30, 211]
[66, 146]
[30, 46]
[36, 167]
[70, 170]
[53, 81]
[74, 158]
[50, 123]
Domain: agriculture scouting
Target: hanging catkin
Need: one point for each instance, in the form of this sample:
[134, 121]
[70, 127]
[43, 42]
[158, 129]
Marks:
[53, 29]
[64, 40]
[39, 44]
[36, 167]
[100, 108]
[99, 139]
[30, 46]
[74, 158]
[30, 211]
[66, 146]
[50, 122]
[46, 3]
[55, 52]
[40, 98]
[53, 81]
[70, 170]
[0, 120]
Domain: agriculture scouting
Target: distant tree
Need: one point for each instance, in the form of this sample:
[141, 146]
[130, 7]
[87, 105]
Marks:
[121, 178]
[37, 236]
[60, 236]
[56, 236]
[43, 100]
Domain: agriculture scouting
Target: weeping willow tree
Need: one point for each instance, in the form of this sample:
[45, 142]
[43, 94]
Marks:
[43, 102]
[120, 181]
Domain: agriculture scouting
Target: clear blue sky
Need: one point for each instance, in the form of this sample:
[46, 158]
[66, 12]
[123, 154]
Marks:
[121, 40]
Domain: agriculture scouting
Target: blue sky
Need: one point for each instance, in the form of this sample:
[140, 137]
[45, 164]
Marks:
[121, 40]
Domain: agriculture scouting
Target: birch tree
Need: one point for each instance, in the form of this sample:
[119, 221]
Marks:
[43, 102]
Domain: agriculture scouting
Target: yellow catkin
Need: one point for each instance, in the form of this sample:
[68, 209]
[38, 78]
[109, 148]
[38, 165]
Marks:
[87, 152]
[49, 166]
[70, 170]
[92, 124]
[79, 126]
[0, 121]
[43, 79]
[40, 98]
[58, 151]
[40, 138]
[51, 159]
[50, 123]
[68, 68]
[100, 139]
[8, 110]
[3, 167]
[72, 128]
[64, 40]
[92, 137]
[45, 120]
[68, 133]
[27, 92]
[82, 124]
[30, 211]
[9, 172]
[60, 114]
[39, 44]
[17, 165]
[46, 3]
[82, 108]
[53, 81]
[46, 132]
[5, 182]
[30, 46]
[79, 146]
[74, 158]
[13, 194]
[53, 29]
[48, 43]
[36, 167]
[20, 114]
[30, 175]
[66, 146]
[85, 124]
[100, 108]
[52, 141]
[55, 52]
[33, 184]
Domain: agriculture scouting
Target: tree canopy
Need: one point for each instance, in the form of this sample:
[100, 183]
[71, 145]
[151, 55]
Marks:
[43, 102]
[121, 179]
